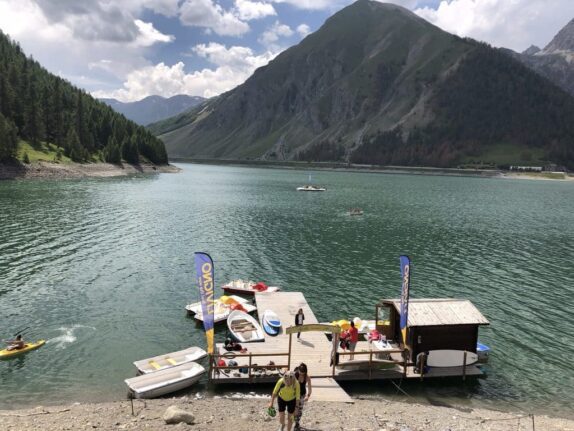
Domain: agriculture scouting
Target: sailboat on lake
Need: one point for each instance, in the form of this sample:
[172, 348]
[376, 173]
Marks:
[311, 187]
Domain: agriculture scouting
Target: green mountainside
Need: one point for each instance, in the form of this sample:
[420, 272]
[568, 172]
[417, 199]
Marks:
[49, 114]
[377, 84]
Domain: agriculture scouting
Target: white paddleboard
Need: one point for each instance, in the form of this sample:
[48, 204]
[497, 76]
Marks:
[271, 318]
[450, 358]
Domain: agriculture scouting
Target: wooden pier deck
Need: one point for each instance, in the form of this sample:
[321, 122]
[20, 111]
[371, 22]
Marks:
[314, 349]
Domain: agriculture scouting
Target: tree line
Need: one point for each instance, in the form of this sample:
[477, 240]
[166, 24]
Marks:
[36, 106]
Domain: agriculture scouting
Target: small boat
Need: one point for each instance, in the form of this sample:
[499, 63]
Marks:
[28, 347]
[311, 188]
[356, 212]
[244, 328]
[450, 358]
[248, 287]
[163, 382]
[169, 360]
[222, 308]
[271, 322]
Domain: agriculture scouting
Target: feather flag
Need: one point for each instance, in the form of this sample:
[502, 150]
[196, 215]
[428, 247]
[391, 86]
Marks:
[406, 276]
[205, 280]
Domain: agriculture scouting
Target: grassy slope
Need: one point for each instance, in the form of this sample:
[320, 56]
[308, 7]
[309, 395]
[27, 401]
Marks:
[44, 153]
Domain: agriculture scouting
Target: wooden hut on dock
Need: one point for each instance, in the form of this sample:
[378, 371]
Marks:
[433, 324]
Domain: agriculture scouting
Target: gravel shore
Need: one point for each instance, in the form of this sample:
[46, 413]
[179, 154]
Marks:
[250, 415]
[76, 170]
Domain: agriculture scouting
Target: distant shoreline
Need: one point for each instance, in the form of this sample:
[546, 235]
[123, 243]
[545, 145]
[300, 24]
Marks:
[400, 170]
[56, 171]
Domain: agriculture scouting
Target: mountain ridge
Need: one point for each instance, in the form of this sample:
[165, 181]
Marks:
[153, 108]
[374, 85]
[556, 61]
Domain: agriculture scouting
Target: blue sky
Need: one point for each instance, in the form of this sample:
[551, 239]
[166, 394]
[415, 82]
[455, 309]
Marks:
[135, 48]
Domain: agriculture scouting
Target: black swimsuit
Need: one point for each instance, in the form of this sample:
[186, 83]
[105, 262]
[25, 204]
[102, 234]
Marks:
[302, 386]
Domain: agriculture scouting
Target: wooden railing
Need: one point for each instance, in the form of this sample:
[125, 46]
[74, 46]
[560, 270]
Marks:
[214, 368]
[370, 353]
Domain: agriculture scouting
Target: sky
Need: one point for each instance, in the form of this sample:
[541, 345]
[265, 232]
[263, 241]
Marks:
[131, 49]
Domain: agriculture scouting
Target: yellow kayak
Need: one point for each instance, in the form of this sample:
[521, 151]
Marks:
[7, 354]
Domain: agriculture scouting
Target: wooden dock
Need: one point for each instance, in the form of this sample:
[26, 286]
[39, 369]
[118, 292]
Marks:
[265, 361]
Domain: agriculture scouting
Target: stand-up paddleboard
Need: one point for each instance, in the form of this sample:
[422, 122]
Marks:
[271, 322]
[450, 358]
[272, 318]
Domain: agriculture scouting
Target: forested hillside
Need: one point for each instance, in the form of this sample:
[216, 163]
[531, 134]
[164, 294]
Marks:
[40, 108]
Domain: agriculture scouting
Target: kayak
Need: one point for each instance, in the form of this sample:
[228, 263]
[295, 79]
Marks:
[28, 347]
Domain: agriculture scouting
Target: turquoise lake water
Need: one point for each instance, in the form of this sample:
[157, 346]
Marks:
[103, 268]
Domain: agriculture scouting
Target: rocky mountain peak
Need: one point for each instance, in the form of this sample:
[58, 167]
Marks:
[563, 41]
[533, 49]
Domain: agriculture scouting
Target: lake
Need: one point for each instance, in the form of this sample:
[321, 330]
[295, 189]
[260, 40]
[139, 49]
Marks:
[103, 268]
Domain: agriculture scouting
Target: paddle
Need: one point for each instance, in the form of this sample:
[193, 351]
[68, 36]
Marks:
[20, 331]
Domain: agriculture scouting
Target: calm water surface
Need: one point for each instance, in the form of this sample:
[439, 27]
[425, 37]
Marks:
[103, 268]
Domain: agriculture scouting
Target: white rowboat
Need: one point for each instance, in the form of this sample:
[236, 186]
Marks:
[244, 327]
[169, 360]
[166, 381]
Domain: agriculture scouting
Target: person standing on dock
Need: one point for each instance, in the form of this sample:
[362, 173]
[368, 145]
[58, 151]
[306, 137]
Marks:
[353, 339]
[305, 389]
[288, 394]
[299, 318]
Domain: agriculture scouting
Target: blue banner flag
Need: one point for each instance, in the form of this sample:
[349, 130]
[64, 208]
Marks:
[204, 269]
[406, 276]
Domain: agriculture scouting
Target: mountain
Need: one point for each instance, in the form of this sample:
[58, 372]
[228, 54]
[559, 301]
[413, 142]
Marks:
[50, 114]
[154, 108]
[378, 84]
[556, 60]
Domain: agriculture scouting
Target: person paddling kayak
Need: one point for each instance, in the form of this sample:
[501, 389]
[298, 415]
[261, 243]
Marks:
[16, 344]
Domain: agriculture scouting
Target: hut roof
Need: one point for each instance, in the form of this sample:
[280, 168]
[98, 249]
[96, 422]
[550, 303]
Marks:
[435, 312]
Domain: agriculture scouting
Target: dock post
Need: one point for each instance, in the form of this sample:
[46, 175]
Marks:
[249, 368]
[211, 367]
[464, 367]
[422, 364]
[289, 357]
[371, 364]
[334, 352]
[406, 358]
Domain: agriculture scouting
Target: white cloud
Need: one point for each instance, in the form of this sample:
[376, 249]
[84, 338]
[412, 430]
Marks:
[512, 24]
[303, 29]
[149, 35]
[205, 13]
[315, 4]
[89, 61]
[248, 10]
[233, 66]
[273, 33]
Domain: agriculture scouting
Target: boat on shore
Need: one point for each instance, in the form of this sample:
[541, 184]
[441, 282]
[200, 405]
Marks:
[243, 287]
[166, 381]
[168, 360]
[244, 328]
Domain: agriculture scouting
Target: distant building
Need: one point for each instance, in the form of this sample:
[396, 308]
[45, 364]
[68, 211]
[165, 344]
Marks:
[526, 168]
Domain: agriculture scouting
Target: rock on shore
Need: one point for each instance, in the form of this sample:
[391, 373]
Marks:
[77, 170]
[250, 415]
